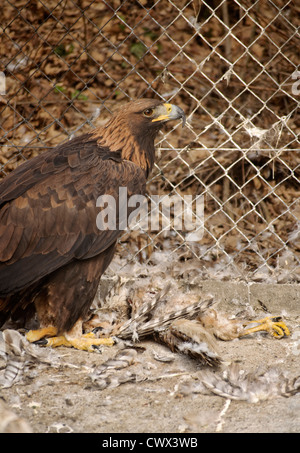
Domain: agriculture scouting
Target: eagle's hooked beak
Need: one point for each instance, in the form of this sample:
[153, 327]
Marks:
[168, 112]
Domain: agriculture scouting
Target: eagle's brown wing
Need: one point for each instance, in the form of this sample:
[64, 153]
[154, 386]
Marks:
[48, 209]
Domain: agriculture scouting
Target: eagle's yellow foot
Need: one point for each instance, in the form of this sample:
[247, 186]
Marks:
[87, 342]
[84, 343]
[272, 325]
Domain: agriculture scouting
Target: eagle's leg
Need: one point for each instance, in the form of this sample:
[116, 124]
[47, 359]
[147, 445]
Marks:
[63, 301]
[272, 325]
[36, 335]
[74, 338]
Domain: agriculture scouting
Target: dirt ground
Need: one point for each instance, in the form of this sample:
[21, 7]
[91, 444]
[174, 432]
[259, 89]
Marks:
[63, 398]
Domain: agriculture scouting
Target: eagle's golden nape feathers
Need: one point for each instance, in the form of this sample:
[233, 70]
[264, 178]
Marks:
[52, 253]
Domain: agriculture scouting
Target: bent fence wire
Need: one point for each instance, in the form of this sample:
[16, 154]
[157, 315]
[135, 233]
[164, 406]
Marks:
[232, 65]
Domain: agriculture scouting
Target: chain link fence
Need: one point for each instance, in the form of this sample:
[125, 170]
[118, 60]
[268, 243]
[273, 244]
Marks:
[232, 65]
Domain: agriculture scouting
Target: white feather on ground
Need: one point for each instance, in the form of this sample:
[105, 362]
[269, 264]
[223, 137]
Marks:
[235, 384]
[18, 353]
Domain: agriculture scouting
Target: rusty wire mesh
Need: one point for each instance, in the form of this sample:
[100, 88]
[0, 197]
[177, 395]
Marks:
[232, 65]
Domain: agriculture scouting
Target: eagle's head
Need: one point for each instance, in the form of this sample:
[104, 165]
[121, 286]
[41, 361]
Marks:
[133, 128]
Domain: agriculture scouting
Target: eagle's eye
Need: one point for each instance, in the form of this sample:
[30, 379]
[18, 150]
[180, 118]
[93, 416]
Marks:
[148, 112]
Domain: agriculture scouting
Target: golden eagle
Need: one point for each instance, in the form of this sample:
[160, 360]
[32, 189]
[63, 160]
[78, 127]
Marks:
[52, 254]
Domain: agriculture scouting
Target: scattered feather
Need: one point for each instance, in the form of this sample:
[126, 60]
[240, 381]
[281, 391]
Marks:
[167, 358]
[251, 387]
[18, 353]
[190, 338]
[60, 428]
[220, 325]
[108, 374]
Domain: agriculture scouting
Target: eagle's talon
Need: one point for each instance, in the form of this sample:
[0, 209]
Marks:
[279, 328]
[273, 325]
[96, 330]
[41, 342]
[275, 318]
[97, 348]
